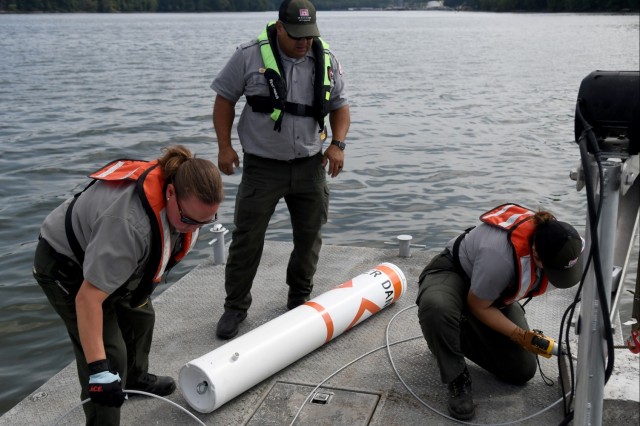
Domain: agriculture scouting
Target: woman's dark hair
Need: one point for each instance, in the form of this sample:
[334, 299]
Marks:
[539, 218]
[543, 216]
[191, 176]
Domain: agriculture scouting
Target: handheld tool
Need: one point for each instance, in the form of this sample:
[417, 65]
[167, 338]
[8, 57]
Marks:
[543, 345]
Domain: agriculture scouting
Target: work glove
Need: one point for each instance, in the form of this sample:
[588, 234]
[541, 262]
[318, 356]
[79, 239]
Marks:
[534, 341]
[105, 387]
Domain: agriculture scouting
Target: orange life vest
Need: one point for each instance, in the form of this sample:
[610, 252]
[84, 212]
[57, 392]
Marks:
[516, 221]
[150, 185]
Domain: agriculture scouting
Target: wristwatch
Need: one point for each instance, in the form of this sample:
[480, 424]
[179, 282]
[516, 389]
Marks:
[339, 144]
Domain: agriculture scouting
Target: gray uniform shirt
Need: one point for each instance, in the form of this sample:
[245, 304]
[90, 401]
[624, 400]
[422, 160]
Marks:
[487, 257]
[299, 136]
[113, 229]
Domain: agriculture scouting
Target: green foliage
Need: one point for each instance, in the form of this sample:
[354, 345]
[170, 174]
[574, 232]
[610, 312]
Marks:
[108, 6]
[551, 5]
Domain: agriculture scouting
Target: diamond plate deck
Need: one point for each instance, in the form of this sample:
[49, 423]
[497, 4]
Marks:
[187, 313]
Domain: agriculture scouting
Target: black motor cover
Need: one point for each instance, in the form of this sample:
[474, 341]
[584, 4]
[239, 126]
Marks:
[609, 102]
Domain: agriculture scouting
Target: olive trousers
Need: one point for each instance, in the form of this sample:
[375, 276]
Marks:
[453, 333]
[302, 184]
[127, 332]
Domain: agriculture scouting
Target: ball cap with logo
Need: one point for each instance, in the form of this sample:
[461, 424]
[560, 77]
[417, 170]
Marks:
[560, 248]
[299, 18]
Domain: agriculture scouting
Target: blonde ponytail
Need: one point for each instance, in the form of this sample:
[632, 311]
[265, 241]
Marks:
[191, 176]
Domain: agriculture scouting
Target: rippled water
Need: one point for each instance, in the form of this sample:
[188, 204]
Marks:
[452, 113]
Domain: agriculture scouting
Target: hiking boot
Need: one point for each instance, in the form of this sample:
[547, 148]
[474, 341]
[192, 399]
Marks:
[150, 383]
[460, 398]
[293, 303]
[228, 324]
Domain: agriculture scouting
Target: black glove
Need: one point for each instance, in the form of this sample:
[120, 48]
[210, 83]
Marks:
[105, 387]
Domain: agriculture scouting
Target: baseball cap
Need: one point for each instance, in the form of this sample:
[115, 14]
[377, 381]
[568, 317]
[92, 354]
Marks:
[560, 248]
[299, 18]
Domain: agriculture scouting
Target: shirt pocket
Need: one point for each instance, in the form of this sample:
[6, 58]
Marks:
[256, 85]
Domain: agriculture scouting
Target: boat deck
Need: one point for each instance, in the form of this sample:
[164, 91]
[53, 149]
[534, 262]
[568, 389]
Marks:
[366, 392]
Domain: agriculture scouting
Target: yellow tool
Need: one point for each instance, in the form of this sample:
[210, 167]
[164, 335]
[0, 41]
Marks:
[540, 344]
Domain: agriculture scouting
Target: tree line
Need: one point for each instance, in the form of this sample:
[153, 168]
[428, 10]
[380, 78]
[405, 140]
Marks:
[552, 5]
[110, 6]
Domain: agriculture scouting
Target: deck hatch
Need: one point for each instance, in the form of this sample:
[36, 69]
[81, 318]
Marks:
[321, 397]
[326, 406]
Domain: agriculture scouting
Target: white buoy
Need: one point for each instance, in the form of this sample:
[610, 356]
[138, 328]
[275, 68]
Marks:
[224, 373]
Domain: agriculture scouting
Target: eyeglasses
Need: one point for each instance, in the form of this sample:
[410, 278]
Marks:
[298, 38]
[188, 221]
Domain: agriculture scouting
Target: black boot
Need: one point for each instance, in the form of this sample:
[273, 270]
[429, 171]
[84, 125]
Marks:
[460, 398]
[228, 324]
[150, 383]
[293, 303]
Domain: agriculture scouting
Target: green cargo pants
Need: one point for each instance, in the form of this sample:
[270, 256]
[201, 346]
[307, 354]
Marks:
[453, 333]
[302, 184]
[127, 332]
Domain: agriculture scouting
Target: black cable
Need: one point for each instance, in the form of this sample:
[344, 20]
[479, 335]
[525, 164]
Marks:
[588, 136]
[566, 420]
[567, 318]
[547, 381]
[571, 308]
[594, 220]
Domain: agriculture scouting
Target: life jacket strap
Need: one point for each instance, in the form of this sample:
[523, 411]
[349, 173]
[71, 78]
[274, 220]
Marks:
[74, 244]
[456, 248]
[264, 104]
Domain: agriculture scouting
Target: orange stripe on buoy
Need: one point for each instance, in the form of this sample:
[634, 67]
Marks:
[365, 305]
[325, 316]
[395, 280]
[346, 284]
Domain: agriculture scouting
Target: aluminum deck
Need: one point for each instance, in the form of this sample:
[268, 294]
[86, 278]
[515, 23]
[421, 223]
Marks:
[368, 392]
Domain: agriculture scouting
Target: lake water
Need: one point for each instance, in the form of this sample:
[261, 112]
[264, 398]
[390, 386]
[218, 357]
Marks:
[452, 114]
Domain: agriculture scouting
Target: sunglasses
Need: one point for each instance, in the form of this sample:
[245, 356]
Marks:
[298, 38]
[188, 221]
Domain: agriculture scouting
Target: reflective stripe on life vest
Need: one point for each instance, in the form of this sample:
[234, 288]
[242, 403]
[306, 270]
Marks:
[150, 187]
[516, 221]
[322, 84]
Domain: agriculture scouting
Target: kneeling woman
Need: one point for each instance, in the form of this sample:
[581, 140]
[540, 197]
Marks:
[468, 295]
[102, 252]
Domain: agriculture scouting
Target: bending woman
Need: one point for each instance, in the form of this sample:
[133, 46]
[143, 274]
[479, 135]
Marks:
[468, 296]
[100, 255]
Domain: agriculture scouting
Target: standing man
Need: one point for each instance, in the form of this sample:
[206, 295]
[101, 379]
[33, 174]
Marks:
[291, 82]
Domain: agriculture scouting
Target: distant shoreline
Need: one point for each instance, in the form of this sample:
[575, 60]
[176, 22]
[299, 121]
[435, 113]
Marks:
[41, 12]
